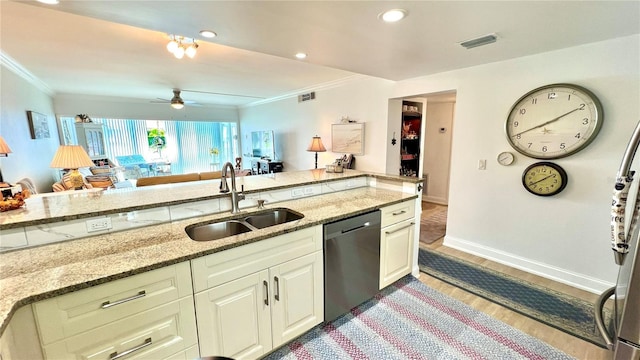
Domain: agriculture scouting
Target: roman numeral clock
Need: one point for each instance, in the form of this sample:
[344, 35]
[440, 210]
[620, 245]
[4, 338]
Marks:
[552, 122]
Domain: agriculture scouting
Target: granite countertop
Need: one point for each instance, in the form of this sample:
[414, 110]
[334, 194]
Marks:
[71, 206]
[38, 273]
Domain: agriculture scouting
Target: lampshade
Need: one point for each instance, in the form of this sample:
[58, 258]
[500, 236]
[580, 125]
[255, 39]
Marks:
[316, 145]
[4, 148]
[71, 157]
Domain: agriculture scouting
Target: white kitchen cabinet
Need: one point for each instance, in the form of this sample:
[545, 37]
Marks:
[234, 318]
[396, 242]
[157, 333]
[298, 297]
[276, 295]
[149, 315]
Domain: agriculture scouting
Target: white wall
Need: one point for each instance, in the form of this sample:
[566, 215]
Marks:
[565, 236]
[437, 151]
[30, 157]
[363, 99]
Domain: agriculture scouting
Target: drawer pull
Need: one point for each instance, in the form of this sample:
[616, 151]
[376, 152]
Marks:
[277, 290]
[398, 229]
[108, 304]
[266, 292]
[399, 213]
[115, 355]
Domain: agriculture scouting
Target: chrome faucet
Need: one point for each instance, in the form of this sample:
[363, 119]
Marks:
[224, 188]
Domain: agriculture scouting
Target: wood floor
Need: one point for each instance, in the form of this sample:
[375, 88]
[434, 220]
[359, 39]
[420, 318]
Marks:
[571, 345]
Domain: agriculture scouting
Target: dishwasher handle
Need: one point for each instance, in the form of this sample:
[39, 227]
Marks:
[367, 224]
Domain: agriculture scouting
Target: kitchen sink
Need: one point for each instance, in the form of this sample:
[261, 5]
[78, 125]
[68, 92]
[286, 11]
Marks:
[273, 217]
[217, 230]
[246, 223]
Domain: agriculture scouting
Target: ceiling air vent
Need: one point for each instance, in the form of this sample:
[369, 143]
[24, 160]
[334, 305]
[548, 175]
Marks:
[307, 97]
[483, 40]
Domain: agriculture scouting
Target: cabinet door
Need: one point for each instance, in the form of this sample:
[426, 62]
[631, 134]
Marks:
[234, 318]
[298, 297]
[396, 252]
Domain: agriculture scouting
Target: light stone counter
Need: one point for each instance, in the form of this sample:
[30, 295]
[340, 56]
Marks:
[41, 272]
[71, 206]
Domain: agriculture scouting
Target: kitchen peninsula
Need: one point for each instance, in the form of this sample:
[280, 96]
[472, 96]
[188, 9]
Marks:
[148, 227]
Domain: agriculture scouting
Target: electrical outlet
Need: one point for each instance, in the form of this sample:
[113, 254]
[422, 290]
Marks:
[100, 224]
[308, 191]
[482, 164]
[297, 192]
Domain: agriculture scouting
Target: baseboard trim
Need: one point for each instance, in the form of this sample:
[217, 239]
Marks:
[435, 200]
[579, 281]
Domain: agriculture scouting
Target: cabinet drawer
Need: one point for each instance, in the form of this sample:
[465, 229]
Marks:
[216, 269]
[83, 310]
[393, 214]
[153, 334]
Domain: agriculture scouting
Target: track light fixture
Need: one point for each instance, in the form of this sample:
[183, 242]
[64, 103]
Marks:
[180, 46]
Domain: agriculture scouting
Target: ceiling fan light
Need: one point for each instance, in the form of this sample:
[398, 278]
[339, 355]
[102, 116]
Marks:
[191, 50]
[177, 105]
[172, 46]
[179, 53]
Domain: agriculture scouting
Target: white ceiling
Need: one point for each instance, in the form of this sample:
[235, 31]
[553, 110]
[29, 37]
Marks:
[117, 48]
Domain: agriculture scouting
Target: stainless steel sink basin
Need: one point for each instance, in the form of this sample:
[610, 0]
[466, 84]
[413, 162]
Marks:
[217, 230]
[259, 220]
[273, 217]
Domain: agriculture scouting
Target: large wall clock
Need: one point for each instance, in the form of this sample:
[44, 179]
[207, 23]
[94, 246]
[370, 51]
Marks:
[554, 121]
[544, 178]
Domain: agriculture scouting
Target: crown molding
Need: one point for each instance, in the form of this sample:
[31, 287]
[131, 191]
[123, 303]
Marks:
[12, 65]
[319, 87]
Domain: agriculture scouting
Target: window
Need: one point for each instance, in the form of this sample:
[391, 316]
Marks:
[188, 145]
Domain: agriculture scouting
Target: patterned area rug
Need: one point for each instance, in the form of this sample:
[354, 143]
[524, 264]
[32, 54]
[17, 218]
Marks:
[433, 227]
[567, 313]
[409, 320]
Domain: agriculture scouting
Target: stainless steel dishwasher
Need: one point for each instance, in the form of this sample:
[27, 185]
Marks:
[351, 263]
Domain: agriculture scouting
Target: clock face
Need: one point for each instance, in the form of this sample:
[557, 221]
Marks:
[544, 179]
[505, 158]
[554, 121]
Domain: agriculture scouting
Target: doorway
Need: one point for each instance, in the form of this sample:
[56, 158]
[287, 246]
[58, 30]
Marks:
[438, 111]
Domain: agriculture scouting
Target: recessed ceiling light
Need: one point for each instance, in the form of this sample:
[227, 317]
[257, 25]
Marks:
[208, 33]
[301, 55]
[50, 2]
[393, 15]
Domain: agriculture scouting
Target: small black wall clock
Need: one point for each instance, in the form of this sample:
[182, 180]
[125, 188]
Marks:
[544, 178]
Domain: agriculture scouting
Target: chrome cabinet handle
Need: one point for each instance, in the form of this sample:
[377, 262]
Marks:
[277, 290]
[398, 229]
[398, 213]
[115, 355]
[108, 304]
[266, 292]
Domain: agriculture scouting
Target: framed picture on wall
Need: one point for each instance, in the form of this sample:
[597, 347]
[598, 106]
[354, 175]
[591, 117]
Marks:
[348, 138]
[38, 125]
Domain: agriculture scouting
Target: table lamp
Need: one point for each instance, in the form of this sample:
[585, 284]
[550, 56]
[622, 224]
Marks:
[4, 152]
[316, 146]
[72, 157]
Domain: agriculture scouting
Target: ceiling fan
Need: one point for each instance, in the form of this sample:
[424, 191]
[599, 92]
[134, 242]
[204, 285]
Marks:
[176, 101]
